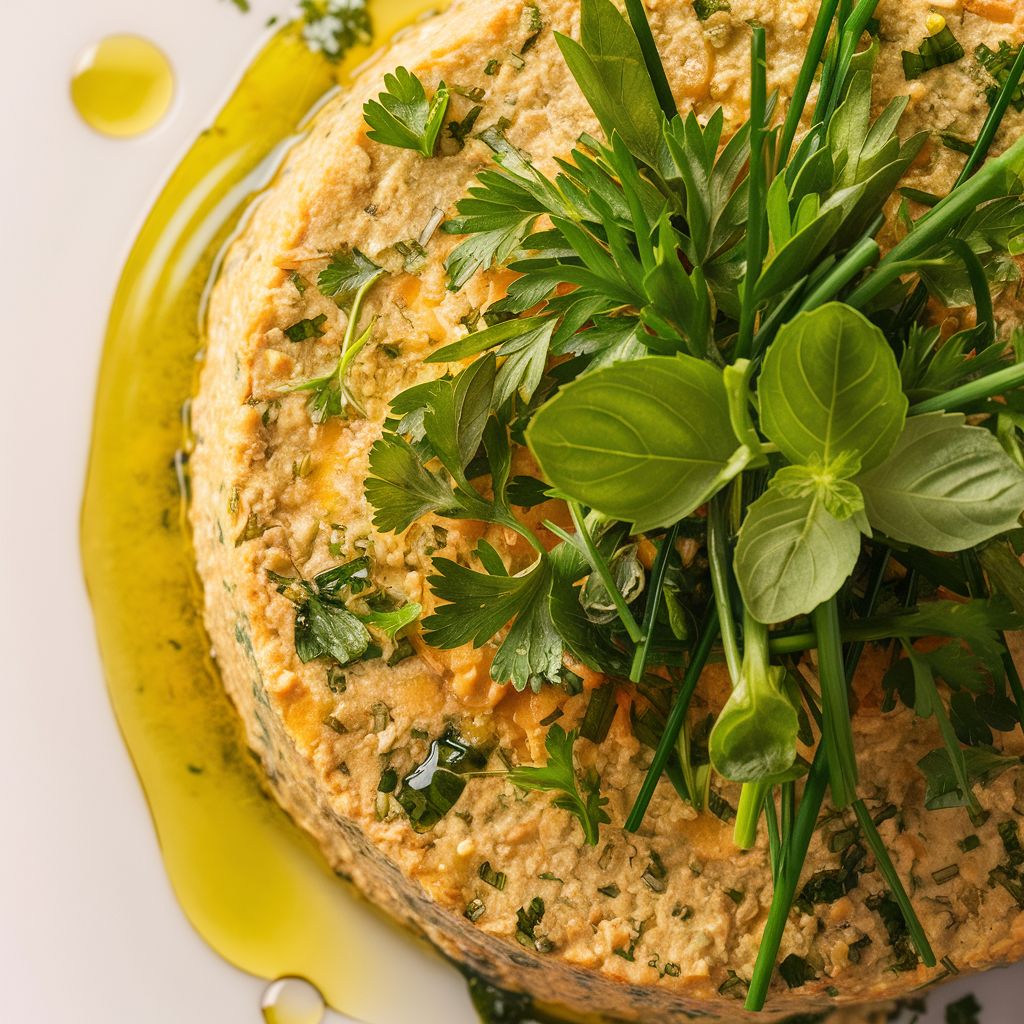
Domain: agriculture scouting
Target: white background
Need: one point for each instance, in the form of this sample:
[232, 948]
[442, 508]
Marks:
[89, 930]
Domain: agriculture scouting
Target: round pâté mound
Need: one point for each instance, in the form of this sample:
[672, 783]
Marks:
[376, 757]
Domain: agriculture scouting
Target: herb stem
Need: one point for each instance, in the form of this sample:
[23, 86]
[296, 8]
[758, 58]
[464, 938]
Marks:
[892, 879]
[847, 42]
[756, 185]
[979, 287]
[937, 222]
[835, 705]
[718, 558]
[806, 817]
[658, 571]
[789, 878]
[860, 257]
[974, 391]
[600, 566]
[774, 836]
[748, 813]
[676, 718]
[808, 69]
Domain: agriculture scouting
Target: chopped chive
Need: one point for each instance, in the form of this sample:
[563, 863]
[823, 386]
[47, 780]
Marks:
[945, 874]
[496, 879]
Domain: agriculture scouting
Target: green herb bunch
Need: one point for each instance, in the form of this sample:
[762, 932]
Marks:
[705, 343]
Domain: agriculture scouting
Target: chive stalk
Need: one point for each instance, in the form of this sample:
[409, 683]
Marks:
[835, 705]
[892, 879]
[652, 58]
[756, 186]
[974, 391]
[719, 562]
[936, 224]
[808, 69]
[676, 717]
[600, 566]
[654, 595]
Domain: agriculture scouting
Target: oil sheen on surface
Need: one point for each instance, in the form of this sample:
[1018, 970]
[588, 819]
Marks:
[251, 883]
[122, 86]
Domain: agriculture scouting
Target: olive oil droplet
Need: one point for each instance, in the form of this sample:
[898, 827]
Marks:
[122, 86]
[293, 1001]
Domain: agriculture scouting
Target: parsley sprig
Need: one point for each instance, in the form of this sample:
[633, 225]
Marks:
[402, 116]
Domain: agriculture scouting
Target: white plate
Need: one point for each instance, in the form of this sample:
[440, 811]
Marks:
[89, 930]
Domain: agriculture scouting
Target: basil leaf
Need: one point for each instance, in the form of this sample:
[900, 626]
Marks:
[792, 555]
[610, 71]
[646, 441]
[830, 385]
[946, 486]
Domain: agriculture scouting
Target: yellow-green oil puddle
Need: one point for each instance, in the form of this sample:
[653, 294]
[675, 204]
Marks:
[250, 882]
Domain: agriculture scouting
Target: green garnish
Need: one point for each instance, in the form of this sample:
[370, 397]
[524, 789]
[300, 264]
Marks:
[304, 330]
[333, 27]
[796, 971]
[580, 797]
[432, 788]
[966, 1010]
[999, 63]
[705, 8]
[496, 879]
[706, 352]
[326, 626]
[401, 115]
[528, 919]
[347, 279]
[460, 130]
[940, 48]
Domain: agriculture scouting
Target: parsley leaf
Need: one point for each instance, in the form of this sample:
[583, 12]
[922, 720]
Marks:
[944, 789]
[401, 115]
[559, 776]
[325, 626]
[400, 488]
[330, 629]
[348, 271]
[479, 605]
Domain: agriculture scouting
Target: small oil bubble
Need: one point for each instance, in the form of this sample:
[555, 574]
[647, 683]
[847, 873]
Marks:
[293, 1001]
[122, 86]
